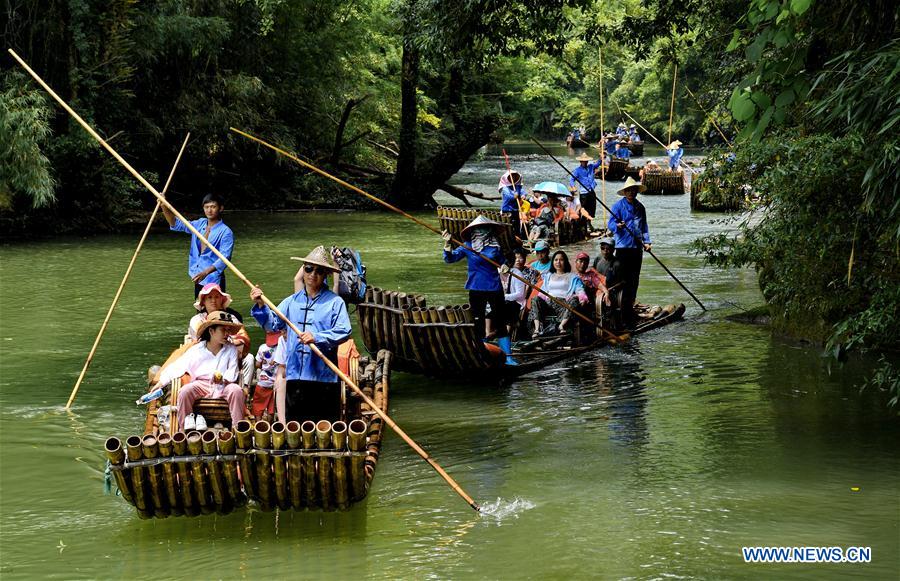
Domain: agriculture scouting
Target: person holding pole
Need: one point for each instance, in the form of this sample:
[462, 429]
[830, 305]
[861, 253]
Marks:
[483, 282]
[627, 221]
[203, 265]
[511, 189]
[582, 181]
[312, 391]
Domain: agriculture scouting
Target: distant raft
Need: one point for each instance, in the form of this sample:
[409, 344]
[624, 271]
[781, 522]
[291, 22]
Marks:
[663, 182]
[453, 220]
[309, 466]
[615, 170]
[441, 340]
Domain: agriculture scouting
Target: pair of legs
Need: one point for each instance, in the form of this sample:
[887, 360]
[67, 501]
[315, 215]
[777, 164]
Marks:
[630, 260]
[193, 391]
[479, 301]
[542, 309]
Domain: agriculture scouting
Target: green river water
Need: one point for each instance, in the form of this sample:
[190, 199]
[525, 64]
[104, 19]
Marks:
[659, 458]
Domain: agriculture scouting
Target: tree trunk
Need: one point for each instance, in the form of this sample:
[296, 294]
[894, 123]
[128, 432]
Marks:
[403, 188]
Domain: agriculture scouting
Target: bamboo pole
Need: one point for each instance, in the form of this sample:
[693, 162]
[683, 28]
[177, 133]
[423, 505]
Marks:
[708, 114]
[281, 485]
[232, 484]
[198, 474]
[381, 413]
[262, 440]
[341, 483]
[295, 467]
[137, 250]
[664, 146]
[357, 443]
[216, 482]
[614, 338]
[603, 140]
[672, 106]
[169, 477]
[633, 234]
[150, 448]
[323, 464]
[308, 440]
[243, 435]
[116, 455]
[179, 444]
[139, 493]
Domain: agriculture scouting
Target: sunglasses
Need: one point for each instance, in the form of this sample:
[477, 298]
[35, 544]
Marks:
[309, 269]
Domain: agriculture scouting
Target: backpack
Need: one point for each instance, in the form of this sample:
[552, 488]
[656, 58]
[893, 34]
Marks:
[352, 279]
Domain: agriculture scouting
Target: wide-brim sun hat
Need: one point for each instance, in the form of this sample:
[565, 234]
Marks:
[320, 257]
[208, 288]
[583, 157]
[479, 222]
[631, 183]
[674, 145]
[219, 319]
[552, 189]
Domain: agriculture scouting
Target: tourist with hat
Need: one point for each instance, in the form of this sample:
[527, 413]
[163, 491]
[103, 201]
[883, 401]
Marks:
[583, 183]
[628, 223]
[312, 389]
[549, 213]
[675, 151]
[481, 238]
[605, 263]
[204, 266]
[211, 298]
[542, 263]
[213, 366]
[512, 192]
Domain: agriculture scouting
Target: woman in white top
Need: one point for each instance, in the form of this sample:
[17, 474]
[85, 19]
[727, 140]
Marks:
[515, 292]
[213, 354]
[563, 284]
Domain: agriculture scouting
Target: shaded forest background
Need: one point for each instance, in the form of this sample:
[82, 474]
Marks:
[395, 95]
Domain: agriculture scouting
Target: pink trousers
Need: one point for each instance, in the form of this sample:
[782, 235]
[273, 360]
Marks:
[193, 391]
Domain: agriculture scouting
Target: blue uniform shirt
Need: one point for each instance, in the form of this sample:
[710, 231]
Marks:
[220, 236]
[634, 135]
[622, 153]
[509, 198]
[635, 218]
[674, 157]
[483, 275]
[325, 316]
[585, 181]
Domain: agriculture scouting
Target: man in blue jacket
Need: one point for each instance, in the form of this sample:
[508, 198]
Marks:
[675, 151]
[621, 152]
[483, 281]
[628, 222]
[204, 267]
[313, 389]
[583, 182]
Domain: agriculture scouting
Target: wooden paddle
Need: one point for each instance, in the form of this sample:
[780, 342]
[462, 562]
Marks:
[630, 231]
[115, 301]
[612, 336]
[241, 276]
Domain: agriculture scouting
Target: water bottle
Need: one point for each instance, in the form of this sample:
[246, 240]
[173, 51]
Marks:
[148, 397]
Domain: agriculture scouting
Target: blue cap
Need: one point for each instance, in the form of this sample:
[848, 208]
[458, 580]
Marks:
[541, 245]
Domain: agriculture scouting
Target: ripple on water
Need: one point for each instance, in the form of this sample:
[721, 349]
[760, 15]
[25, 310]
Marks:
[502, 510]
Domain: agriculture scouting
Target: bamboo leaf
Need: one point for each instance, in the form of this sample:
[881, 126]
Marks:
[798, 7]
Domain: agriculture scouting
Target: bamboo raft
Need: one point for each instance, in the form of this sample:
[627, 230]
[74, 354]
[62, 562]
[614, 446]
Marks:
[441, 340]
[633, 172]
[455, 219]
[615, 171]
[636, 147]
[663, 182]
[303, 466]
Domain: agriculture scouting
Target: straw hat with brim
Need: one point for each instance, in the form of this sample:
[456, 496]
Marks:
[219, 318]
[320, 257]
[630, 184]
[674, 145]
[583, 157]
[208, 288]
[479, 222]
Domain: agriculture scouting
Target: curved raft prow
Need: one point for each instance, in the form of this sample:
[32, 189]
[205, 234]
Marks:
[308, 466]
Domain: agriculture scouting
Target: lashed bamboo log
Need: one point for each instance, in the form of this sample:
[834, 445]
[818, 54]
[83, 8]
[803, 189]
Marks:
[341, 483]
[179, 444]
[116, 455]
[308, 439]
[198, 474]
[229, 468]
[357, 443]
[420, 339]
[323, 465]
[295, 466]
[139, 493]
[244, 440]
[262, 440]
[170, 479]
[214, 471]
[279, 465]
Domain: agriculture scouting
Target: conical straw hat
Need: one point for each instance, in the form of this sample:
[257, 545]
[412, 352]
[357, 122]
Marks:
[479, 221]
[631, 183]
[320, 257]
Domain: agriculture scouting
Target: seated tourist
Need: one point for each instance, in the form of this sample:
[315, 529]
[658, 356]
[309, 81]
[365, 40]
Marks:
[213, 366]
[562, 284]
[542, 263]
[605, 261]
[211, 298]
[590, 278]
[515, 292]
[544, 224]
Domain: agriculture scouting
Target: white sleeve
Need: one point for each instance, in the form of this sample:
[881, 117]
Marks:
[178, 367]
[280, 355]
[230, 373]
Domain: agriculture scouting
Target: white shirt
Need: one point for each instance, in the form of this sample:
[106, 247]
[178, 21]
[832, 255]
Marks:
[200, 363]
[517, 288]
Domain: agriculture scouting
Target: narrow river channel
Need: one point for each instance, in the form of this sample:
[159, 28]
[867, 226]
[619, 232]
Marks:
[658, 458]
